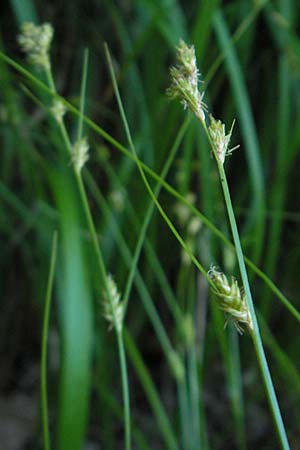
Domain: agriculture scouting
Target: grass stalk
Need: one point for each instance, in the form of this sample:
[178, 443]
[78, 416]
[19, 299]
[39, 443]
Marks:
[142, 173]
[150, 210]
[255, 335]
[44, 397]
[99, 256]
[151, 392]
[248, 130]
[141, 287]
[185, 86]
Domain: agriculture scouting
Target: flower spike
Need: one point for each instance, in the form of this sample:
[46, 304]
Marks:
[185, 79]
[220, 139]
[35, 41]
[231, 299]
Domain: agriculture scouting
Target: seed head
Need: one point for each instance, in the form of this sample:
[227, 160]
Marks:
[185, 78]
[220, 139]
[113, 307]
[80, 153]
[58, 110]
[231, 299]
[35, 41]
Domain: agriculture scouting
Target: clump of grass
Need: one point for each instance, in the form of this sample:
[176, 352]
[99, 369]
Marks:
[183, 346]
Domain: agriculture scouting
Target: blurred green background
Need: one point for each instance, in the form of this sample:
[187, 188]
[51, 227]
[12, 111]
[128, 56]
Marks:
[248, 53]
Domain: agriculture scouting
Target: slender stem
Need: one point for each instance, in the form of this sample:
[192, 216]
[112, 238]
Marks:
[256, 338]
[150, 210]
[102, 269]
[50, 80]
[100, 261]
[184, 414]
[44, 397]
[146, 299]
[255, 334]
[194, 395]
[143, 175]
[163, 423]
[125, 389]
[82, 93]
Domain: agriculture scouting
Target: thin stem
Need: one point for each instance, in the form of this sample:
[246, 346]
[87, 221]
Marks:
[100, 260]
[255, 334]
[44, 397]
[142, 172]
[102, 269]
[194, 395]
[163, 423]
[146, 299]
[150, 210]
[82, 93]
[184, 414]
[256, 338]
[125, 389]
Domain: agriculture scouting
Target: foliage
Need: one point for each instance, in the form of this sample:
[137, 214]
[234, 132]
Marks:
[65, 166]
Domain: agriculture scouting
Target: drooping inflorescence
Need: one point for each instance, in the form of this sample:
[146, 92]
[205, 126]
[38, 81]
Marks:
[231, 299]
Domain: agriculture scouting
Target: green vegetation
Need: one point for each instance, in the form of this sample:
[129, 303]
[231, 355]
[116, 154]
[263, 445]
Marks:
[114, 223]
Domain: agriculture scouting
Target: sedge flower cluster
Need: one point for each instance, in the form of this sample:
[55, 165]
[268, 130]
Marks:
[231, 299]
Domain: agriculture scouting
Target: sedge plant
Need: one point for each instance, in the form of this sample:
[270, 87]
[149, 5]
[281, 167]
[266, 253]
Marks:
[236, 302]
[287, 303]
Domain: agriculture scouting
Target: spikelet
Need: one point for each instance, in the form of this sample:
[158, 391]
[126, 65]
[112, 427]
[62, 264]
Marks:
[231, 299]
[220, 139]
[113, 307]
[80, 153]
[35, 41]
[185, 79]
[58, 110]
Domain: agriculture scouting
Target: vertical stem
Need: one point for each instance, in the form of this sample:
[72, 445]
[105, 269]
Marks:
[125, 389]
[184, 414]
[121, 350]
[194, 395]
[100, 262]
[44, 397]
[256, 338]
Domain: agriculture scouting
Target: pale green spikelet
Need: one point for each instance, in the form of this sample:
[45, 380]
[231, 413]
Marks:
[185, 79]
[113, 307]
[231, 299]
[220, 139]
[80, 153]
[58, 110]
[35, 41]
